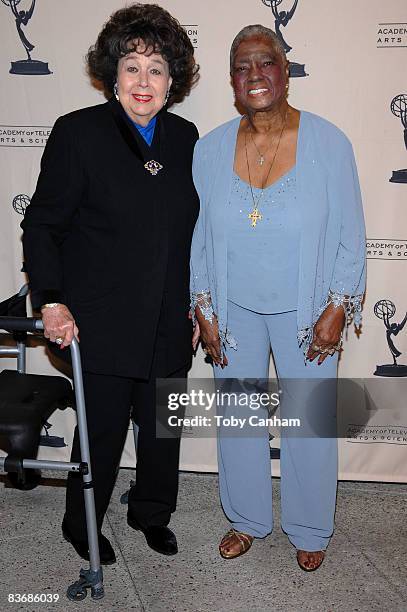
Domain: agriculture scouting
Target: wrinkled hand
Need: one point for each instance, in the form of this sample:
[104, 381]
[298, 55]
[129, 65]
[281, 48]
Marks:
[210, 338]
[59, 323]
[327, 332]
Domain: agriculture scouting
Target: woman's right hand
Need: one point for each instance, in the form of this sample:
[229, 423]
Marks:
[59, 323]
[210, 338]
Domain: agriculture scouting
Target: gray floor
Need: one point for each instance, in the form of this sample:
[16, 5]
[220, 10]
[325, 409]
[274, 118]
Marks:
[365, 568]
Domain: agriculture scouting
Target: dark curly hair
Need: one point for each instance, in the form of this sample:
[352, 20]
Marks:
[159, 31]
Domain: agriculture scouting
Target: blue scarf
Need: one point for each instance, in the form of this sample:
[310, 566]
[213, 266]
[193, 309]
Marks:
[147, 132]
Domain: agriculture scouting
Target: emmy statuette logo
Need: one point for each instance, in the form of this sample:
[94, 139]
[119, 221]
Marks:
[398, 107]
[20, 203]
[281, 19]
[27, 66]
[385, 310]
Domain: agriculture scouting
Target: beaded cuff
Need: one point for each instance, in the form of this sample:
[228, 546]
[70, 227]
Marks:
[351, 304]
[202, 299]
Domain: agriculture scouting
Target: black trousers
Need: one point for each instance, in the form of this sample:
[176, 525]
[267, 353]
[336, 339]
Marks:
[110, 401]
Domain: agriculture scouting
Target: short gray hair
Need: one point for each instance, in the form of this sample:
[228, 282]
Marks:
[256, 30]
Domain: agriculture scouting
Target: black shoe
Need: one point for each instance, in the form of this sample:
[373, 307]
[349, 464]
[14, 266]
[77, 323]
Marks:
[159, 538]
[106, 552]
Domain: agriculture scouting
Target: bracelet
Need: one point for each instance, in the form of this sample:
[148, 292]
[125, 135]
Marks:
[50, 305]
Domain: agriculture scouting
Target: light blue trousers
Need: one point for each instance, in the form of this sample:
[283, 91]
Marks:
[308, 465]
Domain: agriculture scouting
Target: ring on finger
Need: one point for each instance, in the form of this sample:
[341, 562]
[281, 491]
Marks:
[59, 340]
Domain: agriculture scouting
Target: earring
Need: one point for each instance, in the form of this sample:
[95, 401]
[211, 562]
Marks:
[167, 95]
[115, 91]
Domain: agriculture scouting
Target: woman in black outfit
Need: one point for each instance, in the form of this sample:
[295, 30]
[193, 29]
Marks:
[106, 241]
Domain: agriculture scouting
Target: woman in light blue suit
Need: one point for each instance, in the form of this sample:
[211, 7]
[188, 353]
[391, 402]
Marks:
[277, 266]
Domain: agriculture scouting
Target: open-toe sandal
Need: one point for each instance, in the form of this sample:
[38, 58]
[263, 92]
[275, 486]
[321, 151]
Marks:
[310, 561]
[235, 543]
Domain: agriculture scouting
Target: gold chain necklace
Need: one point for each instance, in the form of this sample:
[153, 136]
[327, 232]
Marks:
[261, 158]
[256, 215]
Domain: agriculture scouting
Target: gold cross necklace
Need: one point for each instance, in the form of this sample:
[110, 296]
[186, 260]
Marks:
[256, 215]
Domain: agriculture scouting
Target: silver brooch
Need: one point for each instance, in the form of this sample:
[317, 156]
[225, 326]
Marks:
[153, 167]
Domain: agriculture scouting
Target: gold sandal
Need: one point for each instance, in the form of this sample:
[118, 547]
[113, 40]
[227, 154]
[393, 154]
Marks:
[313, 563]
[235, 543]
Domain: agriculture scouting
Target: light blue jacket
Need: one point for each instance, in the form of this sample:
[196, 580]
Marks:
[332, 250]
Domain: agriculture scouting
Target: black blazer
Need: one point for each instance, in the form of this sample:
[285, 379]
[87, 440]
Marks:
[111, 241]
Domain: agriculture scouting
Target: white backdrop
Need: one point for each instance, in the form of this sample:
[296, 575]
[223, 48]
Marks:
[354, 53]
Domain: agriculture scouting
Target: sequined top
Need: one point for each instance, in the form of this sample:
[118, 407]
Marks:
[263, 260]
